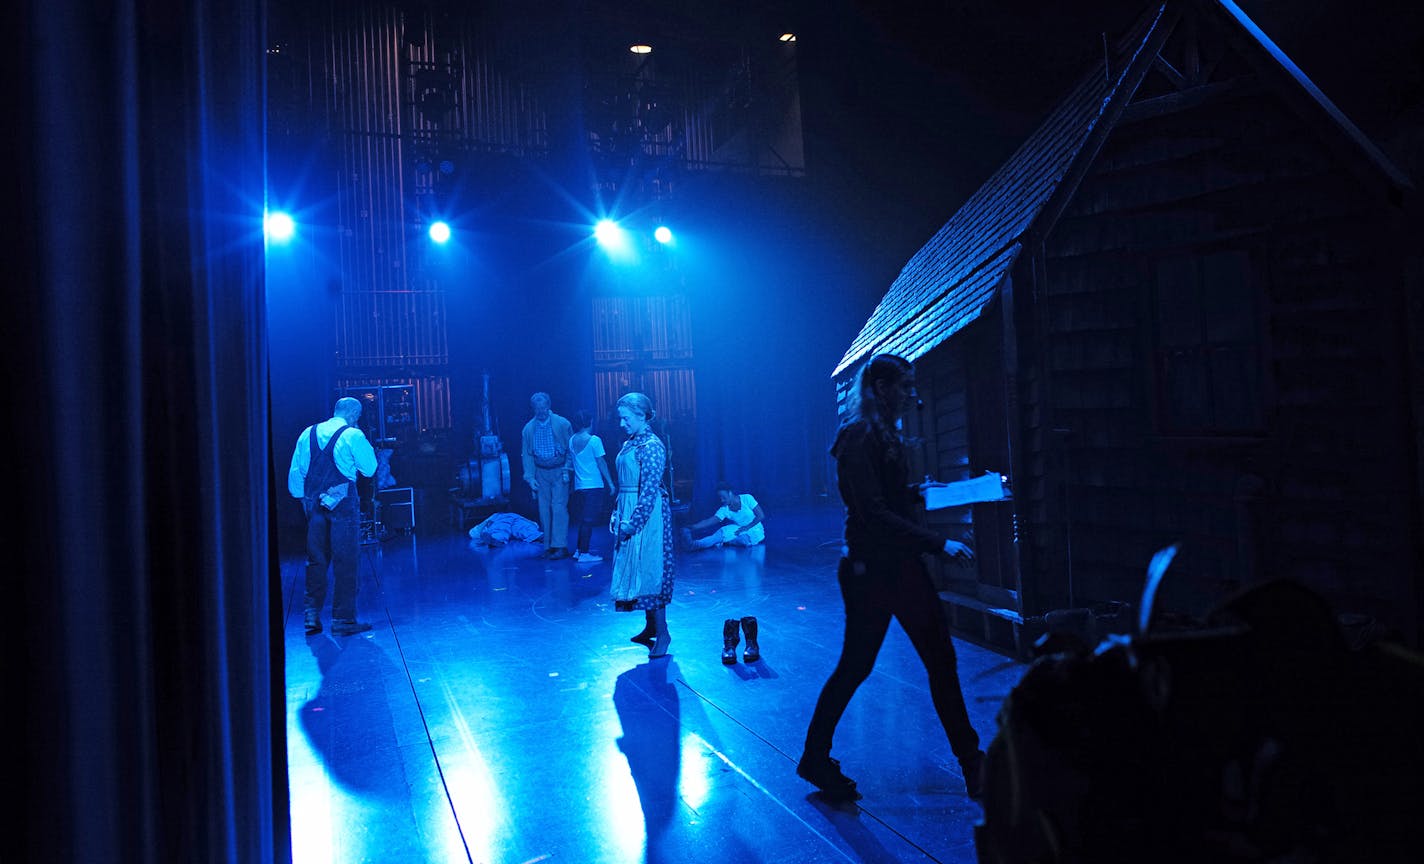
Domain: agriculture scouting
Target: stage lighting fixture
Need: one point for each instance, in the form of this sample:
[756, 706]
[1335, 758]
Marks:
[278, 227]
[788, 37]
[439, 232]
[608, 233]
[641, 48]
[663, 234]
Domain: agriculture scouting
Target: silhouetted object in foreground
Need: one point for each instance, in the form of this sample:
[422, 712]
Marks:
[1260, 737]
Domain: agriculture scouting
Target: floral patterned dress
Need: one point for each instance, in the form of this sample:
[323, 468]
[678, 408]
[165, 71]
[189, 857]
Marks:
[642, 564]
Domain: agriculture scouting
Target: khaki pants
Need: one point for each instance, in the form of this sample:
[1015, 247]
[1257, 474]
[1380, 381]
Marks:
[553, 506]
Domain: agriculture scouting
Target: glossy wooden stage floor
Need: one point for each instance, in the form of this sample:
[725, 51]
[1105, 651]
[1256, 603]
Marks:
[498, 713]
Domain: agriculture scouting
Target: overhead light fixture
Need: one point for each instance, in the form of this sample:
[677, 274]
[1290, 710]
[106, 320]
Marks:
[608, 233]
[640, 48]
[614, 241]
[278, 226]
[788, 37]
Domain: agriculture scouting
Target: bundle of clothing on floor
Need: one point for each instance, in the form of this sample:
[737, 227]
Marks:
[501, 528]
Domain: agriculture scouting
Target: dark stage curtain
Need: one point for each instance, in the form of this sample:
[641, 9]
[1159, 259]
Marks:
[145, 706]
[769, 438]
[768, 326]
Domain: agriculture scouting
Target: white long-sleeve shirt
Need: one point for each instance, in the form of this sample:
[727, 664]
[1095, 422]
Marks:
[353, 453]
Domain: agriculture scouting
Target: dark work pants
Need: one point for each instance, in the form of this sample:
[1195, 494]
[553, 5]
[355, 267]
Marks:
[901, 589]
[331, 542]
[592, 507]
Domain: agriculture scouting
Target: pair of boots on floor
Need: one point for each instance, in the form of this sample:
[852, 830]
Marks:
[730, 638]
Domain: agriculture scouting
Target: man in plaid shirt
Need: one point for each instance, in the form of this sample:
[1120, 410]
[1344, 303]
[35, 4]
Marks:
[548, 469]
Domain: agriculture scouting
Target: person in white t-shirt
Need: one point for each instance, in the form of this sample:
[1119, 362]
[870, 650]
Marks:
[591, 478]
[738, 522]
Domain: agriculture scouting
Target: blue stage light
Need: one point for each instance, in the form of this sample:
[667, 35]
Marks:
[663, 234]
[278, 227]
[439, 232]
[608, 234]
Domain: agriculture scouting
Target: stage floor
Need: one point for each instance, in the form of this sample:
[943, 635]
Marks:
[498, 713]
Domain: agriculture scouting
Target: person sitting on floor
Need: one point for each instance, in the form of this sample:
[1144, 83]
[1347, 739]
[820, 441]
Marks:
[738, 522]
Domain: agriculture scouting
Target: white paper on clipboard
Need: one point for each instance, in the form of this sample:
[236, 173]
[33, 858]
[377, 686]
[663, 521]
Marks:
[987, 487]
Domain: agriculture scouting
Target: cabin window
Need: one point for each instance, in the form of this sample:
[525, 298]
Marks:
[1208, 351]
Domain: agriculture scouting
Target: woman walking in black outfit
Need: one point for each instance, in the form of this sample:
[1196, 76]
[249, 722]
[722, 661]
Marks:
[882, 575]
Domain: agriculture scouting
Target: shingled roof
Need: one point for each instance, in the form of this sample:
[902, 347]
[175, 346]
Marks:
[953, 277]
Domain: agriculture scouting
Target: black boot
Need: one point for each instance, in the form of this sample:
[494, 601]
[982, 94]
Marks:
[730, 638]
[753, 652]
[973, 769]
[823, 772]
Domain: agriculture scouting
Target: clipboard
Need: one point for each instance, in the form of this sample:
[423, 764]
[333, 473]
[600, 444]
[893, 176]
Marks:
[991, 486]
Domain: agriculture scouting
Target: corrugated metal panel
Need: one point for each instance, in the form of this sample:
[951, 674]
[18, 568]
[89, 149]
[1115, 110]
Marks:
[379, 63]
[378, 313]
[657, 327]
[673, 391]
[500, 112]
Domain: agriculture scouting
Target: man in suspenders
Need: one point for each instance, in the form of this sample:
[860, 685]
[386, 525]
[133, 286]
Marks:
[323, 475]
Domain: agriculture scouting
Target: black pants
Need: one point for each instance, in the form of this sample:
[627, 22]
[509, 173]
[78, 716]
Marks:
[592, 508]
[901, 589]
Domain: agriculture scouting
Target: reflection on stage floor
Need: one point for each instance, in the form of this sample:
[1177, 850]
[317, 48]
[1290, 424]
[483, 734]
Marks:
[497, 712]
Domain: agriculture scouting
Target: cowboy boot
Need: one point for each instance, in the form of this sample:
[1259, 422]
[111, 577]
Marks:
[753, 651]
[730, 638]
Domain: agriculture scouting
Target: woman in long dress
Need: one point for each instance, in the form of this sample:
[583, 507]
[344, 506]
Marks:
[642, 526]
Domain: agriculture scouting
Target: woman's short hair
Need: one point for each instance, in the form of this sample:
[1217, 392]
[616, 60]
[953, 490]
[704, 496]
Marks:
[724, 486]
[582, 420]
[639, 403]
